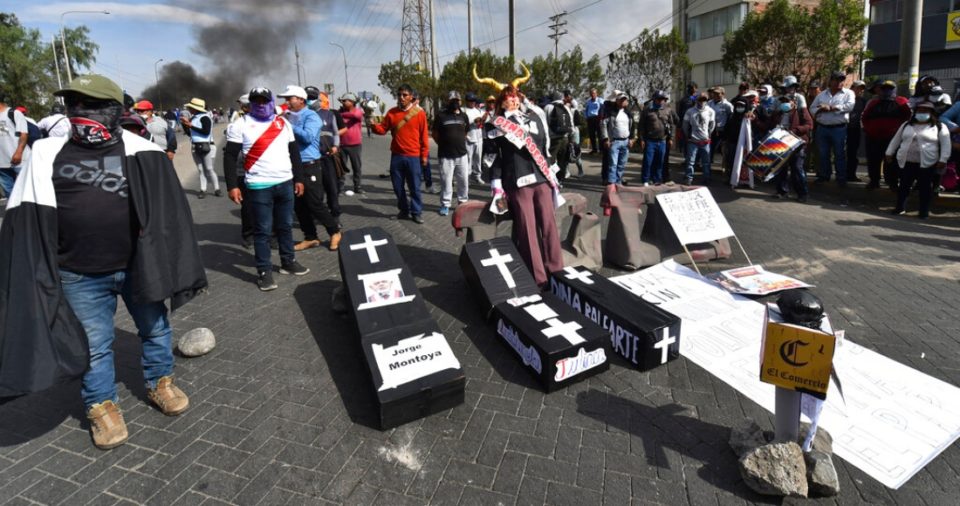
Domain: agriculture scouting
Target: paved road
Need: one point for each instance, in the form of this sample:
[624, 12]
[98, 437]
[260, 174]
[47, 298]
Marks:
[281, 412]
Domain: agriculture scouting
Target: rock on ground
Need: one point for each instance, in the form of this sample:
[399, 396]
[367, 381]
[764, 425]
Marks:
[197, 342]
[822, 440]
[775, 469]
[821, 474]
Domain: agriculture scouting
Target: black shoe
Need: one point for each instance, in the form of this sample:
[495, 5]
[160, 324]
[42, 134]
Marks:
[265, 281]
[202, 195]
[400, 216]
[359, 191]
[384, 176]
[418, 219]
[294, 268]
[217, 193]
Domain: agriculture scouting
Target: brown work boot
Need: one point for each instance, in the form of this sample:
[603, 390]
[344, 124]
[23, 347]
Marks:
[306, 244]
[170, 399]
[106, 425]
[335, 241]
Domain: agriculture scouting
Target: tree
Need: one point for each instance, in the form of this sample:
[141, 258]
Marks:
[27, 72]
[395, 73]
[787, 39]
[652, 61]
[458, 73]
[567, 72]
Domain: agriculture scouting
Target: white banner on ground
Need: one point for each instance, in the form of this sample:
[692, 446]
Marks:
[892, 420]
[694, 216]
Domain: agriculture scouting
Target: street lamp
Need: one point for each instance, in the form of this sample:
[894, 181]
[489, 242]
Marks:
[156, 75]
[63, 39]
[345, 78]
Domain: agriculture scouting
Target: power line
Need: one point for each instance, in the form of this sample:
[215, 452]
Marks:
[558, 24]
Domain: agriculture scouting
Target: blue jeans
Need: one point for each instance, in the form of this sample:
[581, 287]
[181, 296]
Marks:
[93, 298]
[8, 176]
[654, 155]
[617, 154]
[272, 213]
[694, 153]
[832, 139]
[406, 169]
[792, 174]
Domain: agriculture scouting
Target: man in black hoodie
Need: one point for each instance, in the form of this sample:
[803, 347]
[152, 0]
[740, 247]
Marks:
[450, 133]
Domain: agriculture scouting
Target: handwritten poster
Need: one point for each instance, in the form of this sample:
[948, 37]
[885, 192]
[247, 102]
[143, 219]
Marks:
[694, 216]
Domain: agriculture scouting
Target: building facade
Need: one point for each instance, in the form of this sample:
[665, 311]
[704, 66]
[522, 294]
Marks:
[939, 41]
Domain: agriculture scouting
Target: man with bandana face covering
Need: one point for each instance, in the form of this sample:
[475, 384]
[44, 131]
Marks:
[95, 216]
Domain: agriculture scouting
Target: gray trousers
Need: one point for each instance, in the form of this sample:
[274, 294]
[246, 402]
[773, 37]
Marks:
[205, 166]
[458, 168]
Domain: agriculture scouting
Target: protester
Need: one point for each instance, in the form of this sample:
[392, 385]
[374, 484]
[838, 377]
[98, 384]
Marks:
[923, 91]
[574, 147]
[331, 163]
[686, 103]
[274, 175]
[56, 124]
[791, 88]
[112, 208]
[922, 147]
[474, 136]
[351, 138]
[560, 122]
[797, 121]
[618, 133]
[235, 180]
[831, 110]
[854, 131]
[13, 144]
[881, 119]
[742, 105]
[698, 126]
[161, 134]
[200, 129]
[722, 110]
[655, 130]
[450, 127]
[309, 207]
[521, 175]
[592, 112]
[410, 149]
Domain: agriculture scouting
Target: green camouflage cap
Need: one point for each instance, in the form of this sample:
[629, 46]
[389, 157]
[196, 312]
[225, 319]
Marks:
[93, 85]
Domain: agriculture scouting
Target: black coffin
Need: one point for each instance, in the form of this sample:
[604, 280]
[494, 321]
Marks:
[495, 272]
[639, 331]
[382, 292]
[414, 373]
[524, 326]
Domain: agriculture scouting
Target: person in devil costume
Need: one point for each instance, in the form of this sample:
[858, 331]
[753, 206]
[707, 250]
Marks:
[91, 217]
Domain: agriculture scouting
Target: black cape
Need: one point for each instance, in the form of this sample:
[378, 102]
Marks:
[41, 340]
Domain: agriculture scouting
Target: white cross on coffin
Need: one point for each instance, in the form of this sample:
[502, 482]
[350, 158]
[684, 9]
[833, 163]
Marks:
[582, 276]
[371, 246]
[566, 330]
[501, 262]
[664, 344]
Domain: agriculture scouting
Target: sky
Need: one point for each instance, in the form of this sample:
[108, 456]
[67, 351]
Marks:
[137, 33]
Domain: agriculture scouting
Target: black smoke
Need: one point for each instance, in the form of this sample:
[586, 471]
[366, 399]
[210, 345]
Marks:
[251, 45]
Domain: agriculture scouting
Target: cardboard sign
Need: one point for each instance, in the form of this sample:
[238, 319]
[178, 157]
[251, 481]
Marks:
[640, 332]
[495, 271]
[413, 358]
[797, 358]
[555, 343]
[695, 216]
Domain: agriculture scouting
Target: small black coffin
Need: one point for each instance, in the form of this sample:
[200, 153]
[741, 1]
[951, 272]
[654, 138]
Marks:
[555, 343]
[495, 272]
[639, 331]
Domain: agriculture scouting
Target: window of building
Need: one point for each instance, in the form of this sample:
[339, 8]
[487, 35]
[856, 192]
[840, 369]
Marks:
[715, 23]
[888, 11]
[717, 76]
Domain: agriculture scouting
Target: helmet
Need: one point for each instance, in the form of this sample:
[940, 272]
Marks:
[801, 307]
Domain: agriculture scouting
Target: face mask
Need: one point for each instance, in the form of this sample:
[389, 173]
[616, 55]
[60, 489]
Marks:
[923, 117]
[95, 123]
[263, 112]
[785, 107]
[143, 116]
[655, 106]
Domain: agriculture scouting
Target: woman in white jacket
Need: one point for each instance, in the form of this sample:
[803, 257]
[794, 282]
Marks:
[922, 147]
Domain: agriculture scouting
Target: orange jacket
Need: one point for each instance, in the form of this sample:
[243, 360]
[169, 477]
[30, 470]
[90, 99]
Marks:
[411, 140]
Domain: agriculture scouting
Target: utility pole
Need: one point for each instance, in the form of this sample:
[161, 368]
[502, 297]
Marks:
[558, 23]
[908, 68]
[513, 30]
[296, 55]
[415, 48]
[56, 64]
[469, 27]
[433, 46]
[346, 78]
[156, 76]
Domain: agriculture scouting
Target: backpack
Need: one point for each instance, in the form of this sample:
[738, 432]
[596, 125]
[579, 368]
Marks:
[33, 131]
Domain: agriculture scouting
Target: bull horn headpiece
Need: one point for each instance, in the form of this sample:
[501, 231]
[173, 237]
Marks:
[500, 86]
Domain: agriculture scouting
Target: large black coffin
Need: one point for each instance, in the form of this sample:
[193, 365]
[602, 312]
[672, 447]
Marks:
[639, 331]
[382, 292]
[414, 373]
[531, 328]
[495, 272]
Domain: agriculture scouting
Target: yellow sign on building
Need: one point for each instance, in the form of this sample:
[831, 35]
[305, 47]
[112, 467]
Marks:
[953, 27]
[797, 358]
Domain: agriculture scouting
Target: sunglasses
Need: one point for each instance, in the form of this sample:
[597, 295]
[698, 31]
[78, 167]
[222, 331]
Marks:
[405, 94]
